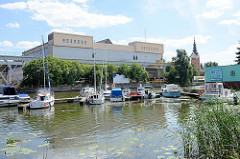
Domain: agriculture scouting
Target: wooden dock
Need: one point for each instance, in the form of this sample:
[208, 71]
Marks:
[69, 100]
[194, 95]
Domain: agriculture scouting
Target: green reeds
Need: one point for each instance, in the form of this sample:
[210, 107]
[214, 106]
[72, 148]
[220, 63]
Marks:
[212, 131]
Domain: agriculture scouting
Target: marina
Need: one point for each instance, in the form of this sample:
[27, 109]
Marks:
[110, 130]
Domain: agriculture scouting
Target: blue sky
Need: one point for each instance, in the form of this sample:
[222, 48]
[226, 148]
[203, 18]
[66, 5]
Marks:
[214, 23]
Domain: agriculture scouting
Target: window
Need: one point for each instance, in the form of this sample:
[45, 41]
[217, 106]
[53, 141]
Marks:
[133, 57]
[78, 41]
[63, 40]
[136, 58]
[67, 40]
[85, 42]
[81, 42]
[71, 40]
[75, 41]
[232, 73]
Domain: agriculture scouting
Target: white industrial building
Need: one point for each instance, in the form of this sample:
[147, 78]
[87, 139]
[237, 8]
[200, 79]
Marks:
[73, 46]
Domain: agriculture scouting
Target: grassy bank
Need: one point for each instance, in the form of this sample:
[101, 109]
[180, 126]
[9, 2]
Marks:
[212, 131]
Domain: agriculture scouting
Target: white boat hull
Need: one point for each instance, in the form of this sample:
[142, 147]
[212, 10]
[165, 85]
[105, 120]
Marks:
[41, 104]
[96, 101]
[117, 99]
[6, 101]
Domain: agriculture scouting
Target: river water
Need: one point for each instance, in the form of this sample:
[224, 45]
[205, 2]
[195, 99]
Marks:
[140, 129]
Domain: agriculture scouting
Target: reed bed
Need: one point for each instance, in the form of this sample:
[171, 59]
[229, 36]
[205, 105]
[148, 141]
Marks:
[212, 131]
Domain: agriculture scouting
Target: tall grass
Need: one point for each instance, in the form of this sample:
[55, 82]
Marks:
[212, 131]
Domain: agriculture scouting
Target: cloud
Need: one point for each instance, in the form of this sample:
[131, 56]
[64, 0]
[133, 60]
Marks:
[13, 25]
[61, 14]
[6, 43]
[168, 42]
[80, 1]
[232, 21]
[27, 44]
[220, 4]
[217, 8]
[226, 57]
[211, 14]
[12, 6]
[67, 30]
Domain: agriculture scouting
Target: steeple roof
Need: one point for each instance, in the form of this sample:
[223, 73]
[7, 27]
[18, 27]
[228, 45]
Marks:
[195, 47]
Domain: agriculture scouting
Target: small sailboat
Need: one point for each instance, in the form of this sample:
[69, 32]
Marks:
[44, 97]
[95, 99]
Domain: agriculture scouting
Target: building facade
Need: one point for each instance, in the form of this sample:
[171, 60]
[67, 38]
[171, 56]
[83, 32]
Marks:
[228, 75]
[73, 46]
[195, 57]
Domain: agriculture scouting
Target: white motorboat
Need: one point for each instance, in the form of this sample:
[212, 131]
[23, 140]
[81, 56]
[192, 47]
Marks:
[107, 94]
[44, 97]
[8, 96]
[214, 92]
[171, 90]
[147, 91]
[95, 99]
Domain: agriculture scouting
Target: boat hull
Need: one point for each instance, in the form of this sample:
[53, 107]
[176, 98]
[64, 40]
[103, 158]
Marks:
[41, 104]
[95, 101]
[117, 99]
[6, 101]
[171, 94]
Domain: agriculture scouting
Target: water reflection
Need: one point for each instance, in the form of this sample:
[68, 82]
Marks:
[140, 129]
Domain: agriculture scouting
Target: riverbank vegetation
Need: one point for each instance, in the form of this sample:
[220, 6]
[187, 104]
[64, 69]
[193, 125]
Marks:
[212, 131]
[65, 72]
[183, 72]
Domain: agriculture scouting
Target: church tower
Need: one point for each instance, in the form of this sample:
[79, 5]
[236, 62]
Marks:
[195, 58]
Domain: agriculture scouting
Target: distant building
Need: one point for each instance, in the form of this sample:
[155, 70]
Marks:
[74, 46]
[195, 58]
[228, 75]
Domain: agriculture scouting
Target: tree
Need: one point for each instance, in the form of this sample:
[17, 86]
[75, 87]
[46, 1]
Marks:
[210, 64]
[123, 69]
[171, 75]
[111, 70]
[136, 72]
[183, 67]
[238, 55]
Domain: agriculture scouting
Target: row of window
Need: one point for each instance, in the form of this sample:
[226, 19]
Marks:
[150, 48]
[74, 41]
[135, 57]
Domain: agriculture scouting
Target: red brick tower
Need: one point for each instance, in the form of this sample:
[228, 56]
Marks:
[195, 58]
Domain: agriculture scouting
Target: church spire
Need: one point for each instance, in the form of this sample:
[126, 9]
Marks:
[195, 47]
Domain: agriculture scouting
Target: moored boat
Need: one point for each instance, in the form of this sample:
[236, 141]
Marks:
[171, 90]
[8, 96]
[214, 92]
[44, 97]
[117, 95]
[95, 99]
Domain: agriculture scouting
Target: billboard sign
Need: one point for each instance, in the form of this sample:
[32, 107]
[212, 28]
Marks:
[216, 74]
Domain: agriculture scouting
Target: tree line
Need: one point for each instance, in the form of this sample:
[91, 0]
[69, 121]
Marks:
[65, 72]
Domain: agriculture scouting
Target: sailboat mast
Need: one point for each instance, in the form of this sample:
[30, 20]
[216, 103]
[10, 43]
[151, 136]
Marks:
[44, 85]
[106, 77]
[95, 83]
[49, 85]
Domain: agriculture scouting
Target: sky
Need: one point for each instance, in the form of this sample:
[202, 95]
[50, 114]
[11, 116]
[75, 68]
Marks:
[215, 24]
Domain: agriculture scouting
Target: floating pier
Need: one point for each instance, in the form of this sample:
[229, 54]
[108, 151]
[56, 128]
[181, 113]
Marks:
[69, 100]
